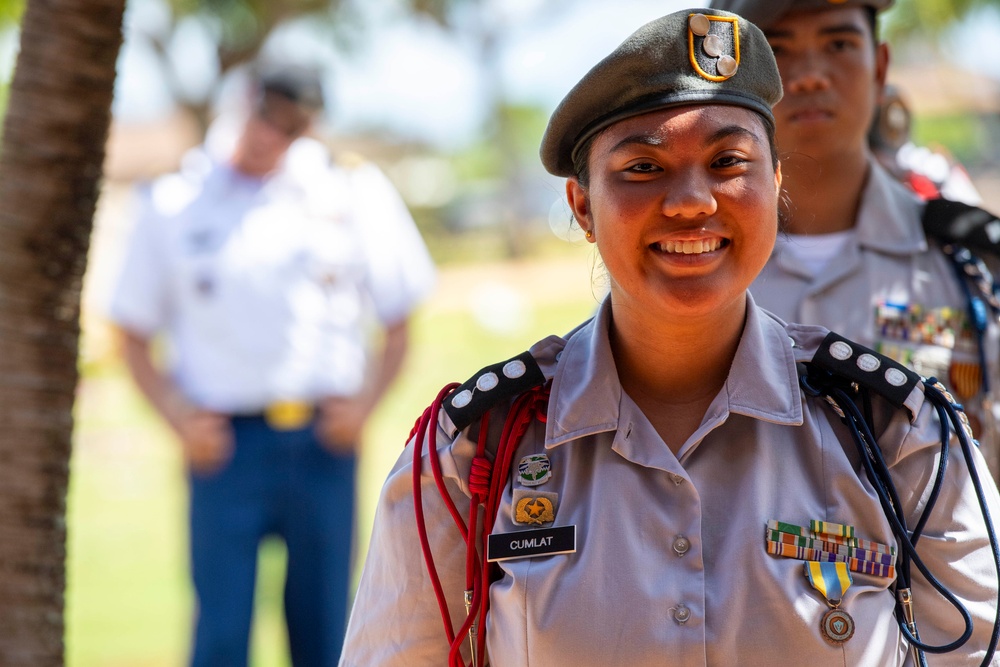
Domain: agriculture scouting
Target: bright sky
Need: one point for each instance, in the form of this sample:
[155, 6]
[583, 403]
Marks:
[423, 83]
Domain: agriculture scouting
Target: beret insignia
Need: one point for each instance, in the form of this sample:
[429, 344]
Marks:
[714, 46]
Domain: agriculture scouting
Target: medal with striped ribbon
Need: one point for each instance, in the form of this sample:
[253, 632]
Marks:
[832, 580]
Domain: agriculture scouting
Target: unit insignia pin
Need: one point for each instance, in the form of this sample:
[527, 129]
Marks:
[534, 469]
[534, 508]
[714, 46]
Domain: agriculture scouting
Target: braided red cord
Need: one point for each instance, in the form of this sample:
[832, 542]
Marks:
[479, 476]
[420, 431]
[486, 490]
[528, 406]
[479, 485]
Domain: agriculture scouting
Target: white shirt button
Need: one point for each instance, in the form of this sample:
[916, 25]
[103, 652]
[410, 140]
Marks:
[677, 479]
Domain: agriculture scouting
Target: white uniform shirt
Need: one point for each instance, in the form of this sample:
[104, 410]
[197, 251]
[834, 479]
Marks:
[267, 287]
[892, 290]
[763, 451]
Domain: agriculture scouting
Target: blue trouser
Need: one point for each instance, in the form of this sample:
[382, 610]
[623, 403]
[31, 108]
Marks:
[278, 483]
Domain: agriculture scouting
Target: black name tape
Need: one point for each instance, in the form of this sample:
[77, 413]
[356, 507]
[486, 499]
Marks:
[528, 543]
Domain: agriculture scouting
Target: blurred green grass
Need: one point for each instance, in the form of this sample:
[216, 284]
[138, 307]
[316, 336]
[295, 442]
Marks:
[128, 600]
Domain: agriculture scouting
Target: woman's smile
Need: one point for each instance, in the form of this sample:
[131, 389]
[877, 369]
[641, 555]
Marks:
[693, 247]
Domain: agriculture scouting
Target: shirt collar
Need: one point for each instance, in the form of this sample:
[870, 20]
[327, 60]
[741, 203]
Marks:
[887, 213]
[586, 395]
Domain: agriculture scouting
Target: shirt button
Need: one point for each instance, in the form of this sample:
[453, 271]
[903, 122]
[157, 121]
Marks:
[681, 545]
[677, 479]
[681, 614]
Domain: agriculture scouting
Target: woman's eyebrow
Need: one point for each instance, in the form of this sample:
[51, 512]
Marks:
[731, 131]
[641, 139]
[657, 139]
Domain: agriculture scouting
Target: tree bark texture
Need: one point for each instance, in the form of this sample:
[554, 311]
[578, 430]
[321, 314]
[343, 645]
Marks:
[50, 169]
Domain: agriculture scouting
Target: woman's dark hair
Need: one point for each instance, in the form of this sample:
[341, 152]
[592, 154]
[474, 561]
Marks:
[581, 164]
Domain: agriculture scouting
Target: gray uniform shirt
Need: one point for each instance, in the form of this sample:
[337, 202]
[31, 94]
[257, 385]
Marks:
[893, 290]
[764, 451]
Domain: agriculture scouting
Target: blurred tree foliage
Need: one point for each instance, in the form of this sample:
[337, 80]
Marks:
[918, 28]
[908, 18]
[241, 27]
[10, 12]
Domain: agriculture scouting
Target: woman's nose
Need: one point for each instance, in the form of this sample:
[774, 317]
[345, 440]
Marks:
[689, 195]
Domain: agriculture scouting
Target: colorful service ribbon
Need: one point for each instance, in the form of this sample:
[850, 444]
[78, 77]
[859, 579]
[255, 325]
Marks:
[830, 543]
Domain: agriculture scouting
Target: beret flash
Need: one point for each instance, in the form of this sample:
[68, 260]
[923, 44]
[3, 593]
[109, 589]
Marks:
[696, 56]
[764, 13]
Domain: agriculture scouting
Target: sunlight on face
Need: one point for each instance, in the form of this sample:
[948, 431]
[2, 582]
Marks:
[682, 204]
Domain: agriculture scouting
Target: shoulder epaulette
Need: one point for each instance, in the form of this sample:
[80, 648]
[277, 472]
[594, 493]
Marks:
[868, 368]
[963, 224]
[490, 386]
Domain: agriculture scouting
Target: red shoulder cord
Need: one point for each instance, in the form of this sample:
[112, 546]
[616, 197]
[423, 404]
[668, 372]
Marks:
[486, 490]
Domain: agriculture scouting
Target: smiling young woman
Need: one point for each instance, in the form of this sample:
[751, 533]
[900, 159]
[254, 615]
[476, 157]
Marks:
[601, 499]
[682, 204]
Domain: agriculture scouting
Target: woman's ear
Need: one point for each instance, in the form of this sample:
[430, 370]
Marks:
[777, 179]
[579, 204]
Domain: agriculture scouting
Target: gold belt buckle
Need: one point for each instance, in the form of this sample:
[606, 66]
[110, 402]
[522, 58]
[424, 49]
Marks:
[288, 415]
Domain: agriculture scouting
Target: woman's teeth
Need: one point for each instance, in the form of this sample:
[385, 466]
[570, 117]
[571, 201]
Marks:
[691, 247]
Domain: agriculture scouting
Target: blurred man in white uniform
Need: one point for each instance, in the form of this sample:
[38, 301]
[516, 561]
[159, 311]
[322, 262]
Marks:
[268, 268]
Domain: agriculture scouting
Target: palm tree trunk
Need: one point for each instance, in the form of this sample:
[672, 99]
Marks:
[50, 168]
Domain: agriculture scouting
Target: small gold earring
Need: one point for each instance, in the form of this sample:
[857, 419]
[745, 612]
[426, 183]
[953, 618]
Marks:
[590, 234]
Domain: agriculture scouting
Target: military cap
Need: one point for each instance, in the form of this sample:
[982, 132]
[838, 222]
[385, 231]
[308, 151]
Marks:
[298, 83]
[695, 56]
[764, 13]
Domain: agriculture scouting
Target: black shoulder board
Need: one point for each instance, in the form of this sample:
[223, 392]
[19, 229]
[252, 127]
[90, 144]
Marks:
[956, 222]
[868, 368]
[490, 386]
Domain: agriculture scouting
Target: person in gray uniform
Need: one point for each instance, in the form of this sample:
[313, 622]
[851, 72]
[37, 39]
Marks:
[856, 257]
[684, 479]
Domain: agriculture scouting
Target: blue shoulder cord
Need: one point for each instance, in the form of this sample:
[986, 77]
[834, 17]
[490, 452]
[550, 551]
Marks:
[824, 384]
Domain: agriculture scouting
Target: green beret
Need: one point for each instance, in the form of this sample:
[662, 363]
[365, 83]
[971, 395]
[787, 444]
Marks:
[696, 56]
[766, 12]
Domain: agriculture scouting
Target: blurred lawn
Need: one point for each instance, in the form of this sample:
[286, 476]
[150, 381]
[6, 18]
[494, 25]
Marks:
[128, 600]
